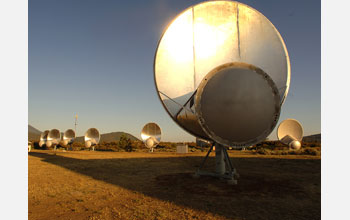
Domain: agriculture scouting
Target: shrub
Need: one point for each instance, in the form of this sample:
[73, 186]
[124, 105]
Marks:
[125, 143]
[263, 151]
[310, 151]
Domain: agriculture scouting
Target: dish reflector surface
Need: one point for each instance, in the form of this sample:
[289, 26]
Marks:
[151, 135]
[53, 137]
[68, 137]
[92, 137]
[43, 137]
[209, 35]
[289, 130]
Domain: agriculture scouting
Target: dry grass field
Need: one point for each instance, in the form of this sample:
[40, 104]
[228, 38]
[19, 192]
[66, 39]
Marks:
[159, 185]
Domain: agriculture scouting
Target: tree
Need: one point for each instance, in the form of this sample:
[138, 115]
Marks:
[125, 143]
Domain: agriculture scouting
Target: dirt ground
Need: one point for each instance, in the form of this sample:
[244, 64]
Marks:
[118, 185]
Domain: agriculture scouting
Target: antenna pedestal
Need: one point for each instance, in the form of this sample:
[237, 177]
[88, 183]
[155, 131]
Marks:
[219, 160]
[222, 161]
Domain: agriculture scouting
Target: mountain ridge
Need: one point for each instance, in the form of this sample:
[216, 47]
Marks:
[312, 138]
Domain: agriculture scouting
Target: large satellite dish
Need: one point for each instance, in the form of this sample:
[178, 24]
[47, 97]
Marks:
[91, 138]
[53, 138]
[68, 137]
[151, 135]
[222, 73]
[290, 132]
[43, 138]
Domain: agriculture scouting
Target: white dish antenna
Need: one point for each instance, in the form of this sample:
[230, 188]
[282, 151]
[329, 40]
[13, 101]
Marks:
[43, 138]
[290, 132]
[29, 146]
[92, 137]
[68, 137]
[53, 138]
[151, 135]
[222, 73]
[217, 79]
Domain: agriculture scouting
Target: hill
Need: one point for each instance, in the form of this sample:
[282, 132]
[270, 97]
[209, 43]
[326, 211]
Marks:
[33, 133]
[312, 138]
[109, 137]
[115, 136]
[33, 130]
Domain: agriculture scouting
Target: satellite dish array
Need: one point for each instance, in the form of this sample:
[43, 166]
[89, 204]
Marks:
[51, 138]
[151, 135]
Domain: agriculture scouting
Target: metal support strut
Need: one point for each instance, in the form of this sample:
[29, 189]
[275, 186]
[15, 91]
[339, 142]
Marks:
[222, 161]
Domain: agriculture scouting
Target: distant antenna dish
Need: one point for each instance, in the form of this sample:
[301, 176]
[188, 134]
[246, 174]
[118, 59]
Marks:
[53, 138]
[92, 137]
[29, 146]
[290, 132]
[68, 137]
[151, 135]
[222, 73]
[43, 138]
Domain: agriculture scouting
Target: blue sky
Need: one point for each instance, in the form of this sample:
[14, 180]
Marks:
[95, 58]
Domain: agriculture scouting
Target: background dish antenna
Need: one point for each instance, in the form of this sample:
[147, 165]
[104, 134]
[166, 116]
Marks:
[91, 138]
[53, 138]
[29, 146]
[68, 137]
[218, 80]
[43, 138]
[151, 135]
[290, 132]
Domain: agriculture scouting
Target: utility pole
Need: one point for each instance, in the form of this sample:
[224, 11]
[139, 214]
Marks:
[75, 124]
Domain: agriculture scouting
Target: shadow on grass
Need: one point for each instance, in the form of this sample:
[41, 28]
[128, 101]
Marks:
[269, 188]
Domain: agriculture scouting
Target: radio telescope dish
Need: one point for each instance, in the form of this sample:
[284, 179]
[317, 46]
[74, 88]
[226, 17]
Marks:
[29, 146]
[43, 138]
[217, 79]
[53, 138]
[68, 137]
[290, 132]
[92, 137]
[150, 135]
[222, 73]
